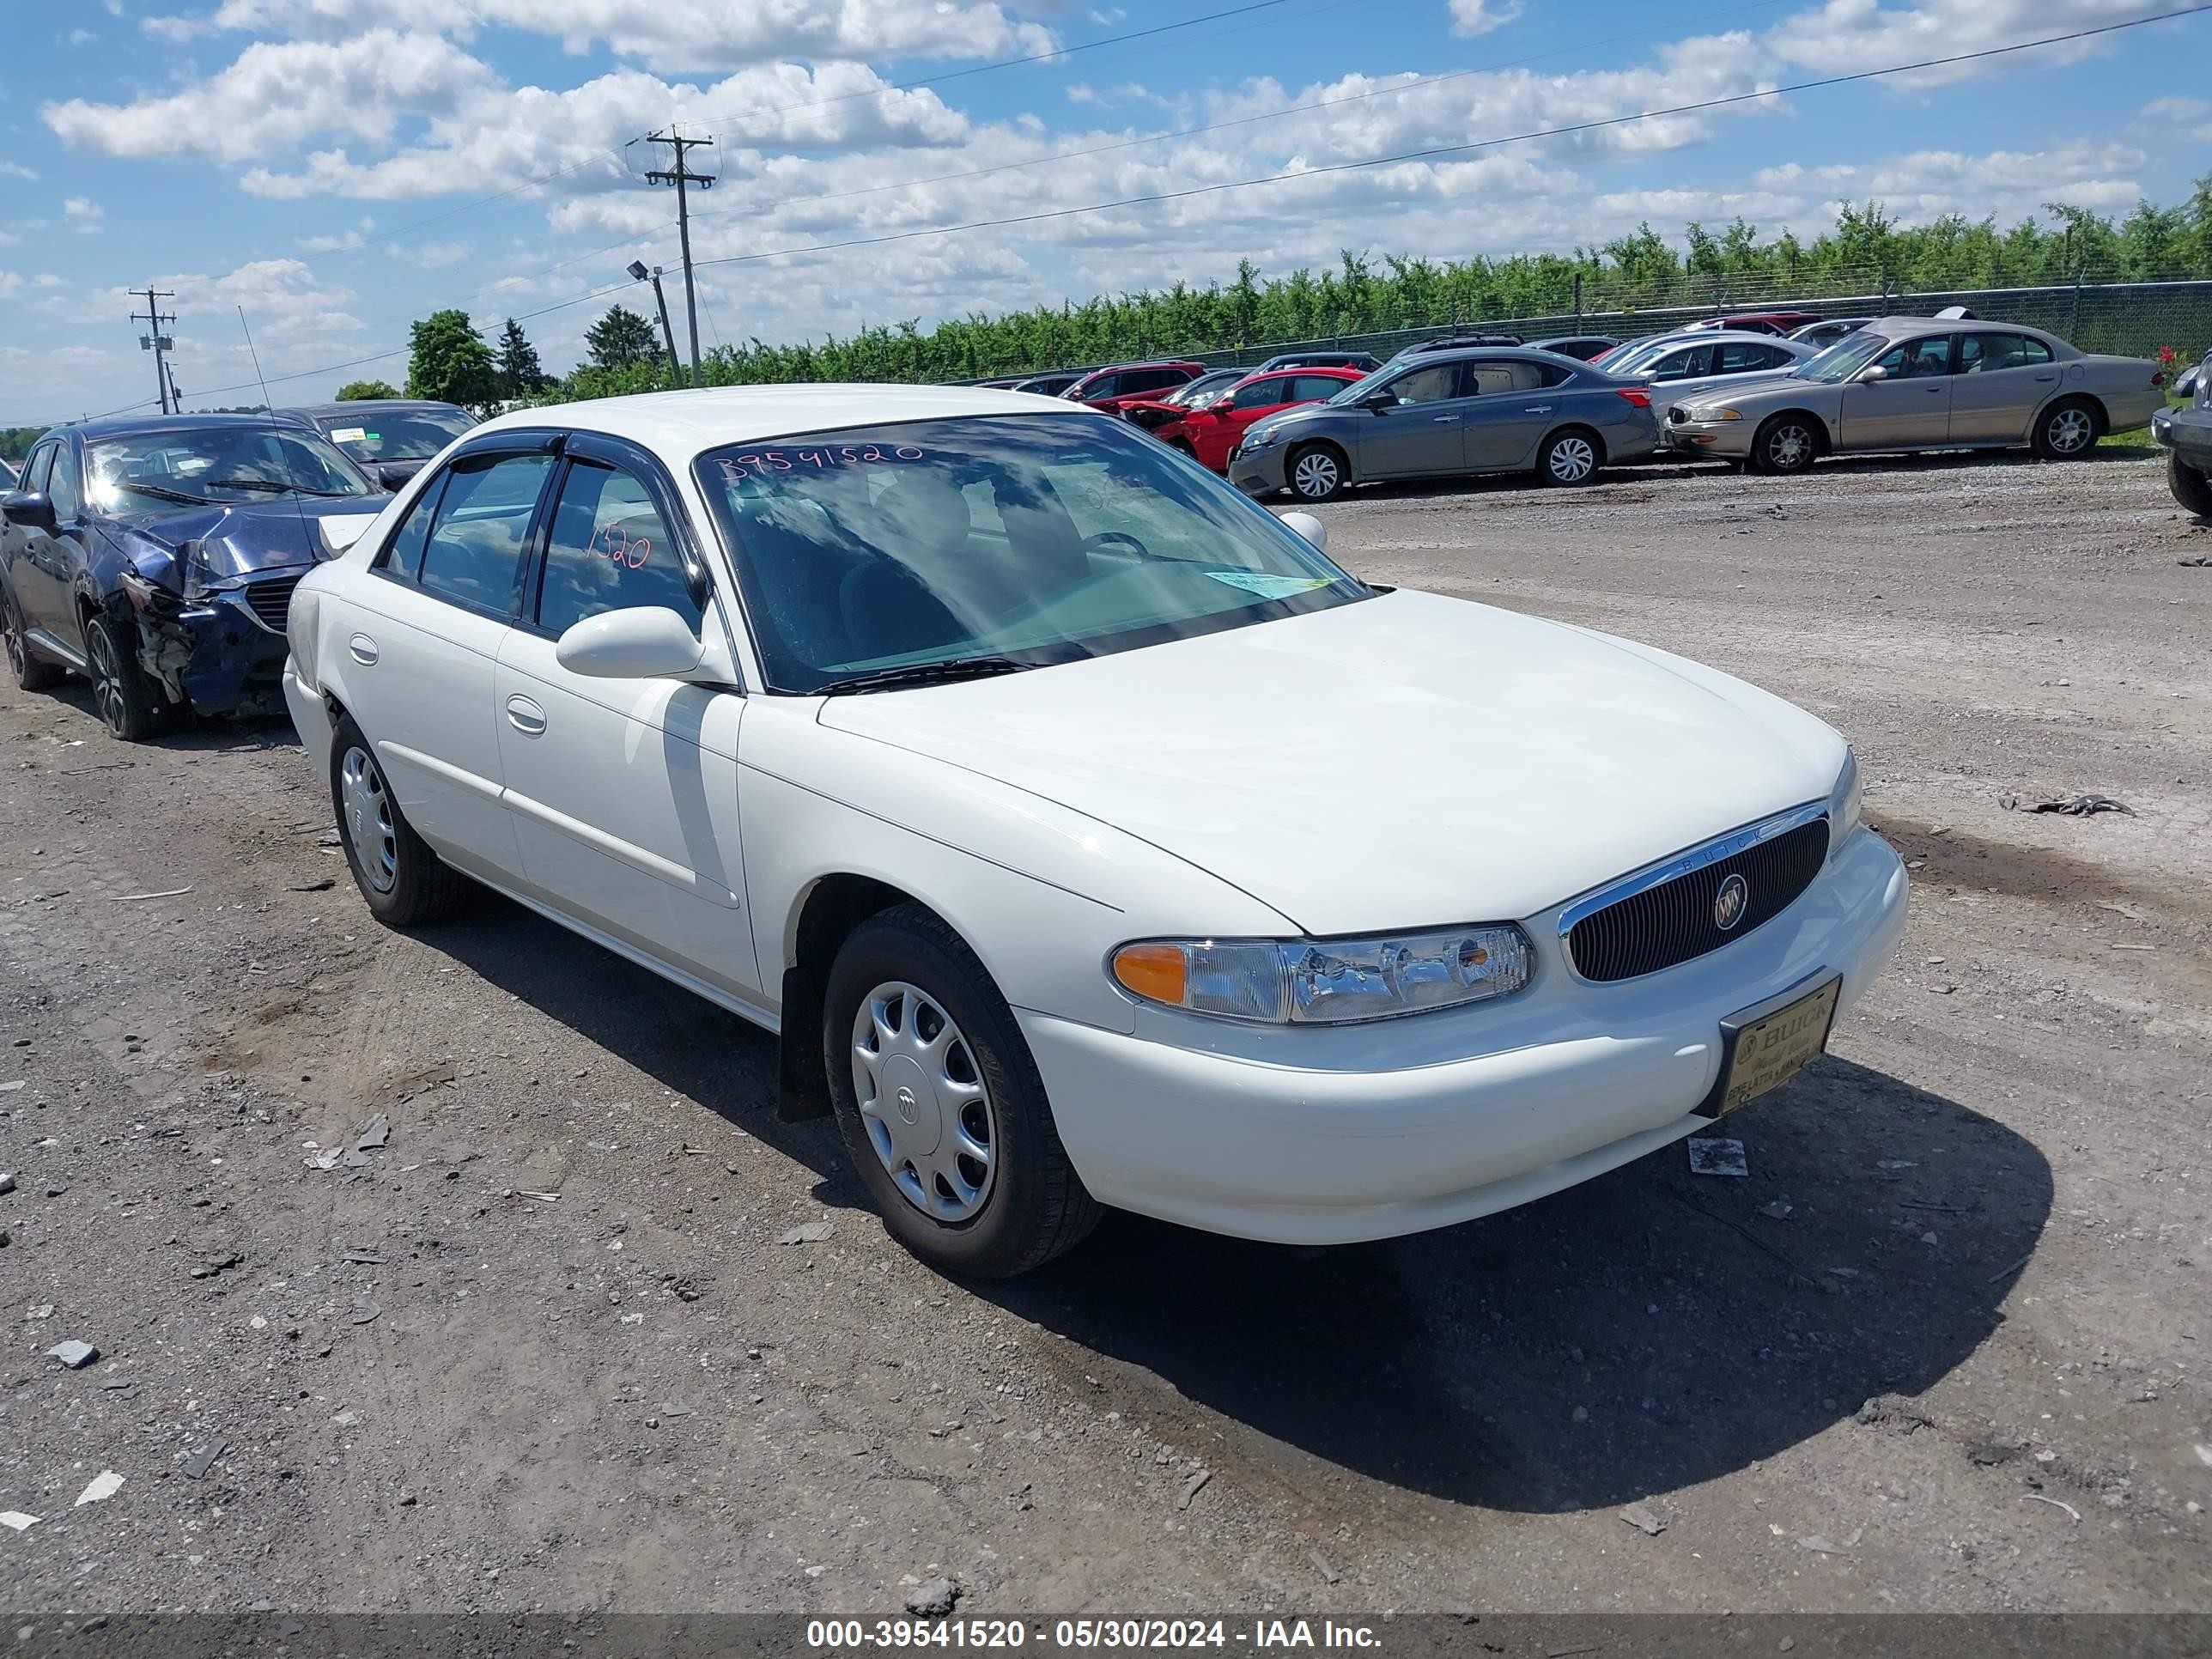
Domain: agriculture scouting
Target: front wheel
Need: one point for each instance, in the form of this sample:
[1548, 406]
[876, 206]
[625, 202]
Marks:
[406, 884]
[1786, 444]
[1317, 472]
[2067, 431]
[2190, 487]
[120, 689]
[1568, 457]
[940, 1103]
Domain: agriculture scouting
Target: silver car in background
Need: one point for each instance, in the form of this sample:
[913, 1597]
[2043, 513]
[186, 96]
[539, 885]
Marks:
[1915, 383]
[1445, 413]
[1682, 369]
[1824, 333]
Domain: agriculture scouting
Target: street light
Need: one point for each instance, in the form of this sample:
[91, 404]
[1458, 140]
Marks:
[638, 273]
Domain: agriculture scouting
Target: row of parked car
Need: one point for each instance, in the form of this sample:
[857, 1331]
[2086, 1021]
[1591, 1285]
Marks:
[1774, 391]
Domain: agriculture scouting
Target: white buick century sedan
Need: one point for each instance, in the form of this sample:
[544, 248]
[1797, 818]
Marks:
[1085, 835]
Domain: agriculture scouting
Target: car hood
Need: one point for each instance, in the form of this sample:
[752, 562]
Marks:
[1707, 388]
[242, 538]
[1405, 760]
[1782, 390]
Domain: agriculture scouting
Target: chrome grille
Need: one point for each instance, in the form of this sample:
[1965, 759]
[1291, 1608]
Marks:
[1665, 916]
[271, 600]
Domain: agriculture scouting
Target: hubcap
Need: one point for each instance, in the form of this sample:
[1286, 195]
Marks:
[1315, 475]
[106, 680]
[1572, 459]
[923, 1101]
[368, 829]
[1788, 447]
[12, 625]
[2070, 429]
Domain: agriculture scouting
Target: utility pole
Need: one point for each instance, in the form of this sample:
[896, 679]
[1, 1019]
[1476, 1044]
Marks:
[639, 274]
[679, 176]
[156, 342]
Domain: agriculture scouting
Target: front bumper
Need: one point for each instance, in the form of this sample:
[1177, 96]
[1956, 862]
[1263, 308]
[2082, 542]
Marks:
[1329, 1136]
[1259, 471]
[1715, 439]
[216, 654]
[2187, 433]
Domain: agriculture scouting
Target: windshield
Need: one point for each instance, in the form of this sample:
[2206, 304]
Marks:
[156, 472]
[1842, 360]
[1192, 393]
[1039, 540]
[414, 434]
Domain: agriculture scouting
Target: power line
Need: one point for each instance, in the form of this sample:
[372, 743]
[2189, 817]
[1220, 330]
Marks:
[1437, 150]
[680, 176]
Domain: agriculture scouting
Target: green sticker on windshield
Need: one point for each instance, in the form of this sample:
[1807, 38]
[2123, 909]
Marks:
[1268, 588]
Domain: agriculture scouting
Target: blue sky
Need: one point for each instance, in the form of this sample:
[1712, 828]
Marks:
[327, 163]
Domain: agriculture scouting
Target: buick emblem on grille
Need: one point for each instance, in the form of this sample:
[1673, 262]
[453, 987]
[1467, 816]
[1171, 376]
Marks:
[1730, 902]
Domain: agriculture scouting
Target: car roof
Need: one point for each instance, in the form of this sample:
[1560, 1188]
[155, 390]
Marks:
[685, 423]
[318, 410]
[1723, 336]
[144, 426]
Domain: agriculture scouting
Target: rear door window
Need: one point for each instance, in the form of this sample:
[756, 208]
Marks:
[477, 536]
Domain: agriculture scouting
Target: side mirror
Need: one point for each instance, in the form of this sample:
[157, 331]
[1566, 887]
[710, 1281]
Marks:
[28, 508]
[1309, 527]
[1871, 373]
[392, 476]
[644, 642]
[1376, 402]
[1223, 403]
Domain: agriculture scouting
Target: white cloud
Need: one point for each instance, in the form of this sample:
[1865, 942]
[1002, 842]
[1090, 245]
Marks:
[2175, 109]
[16, 170]
[83, 215]
[81, 36]
[11, 284]
[275, 95]
[686, 35]
[1480, 16]
[1843, 35]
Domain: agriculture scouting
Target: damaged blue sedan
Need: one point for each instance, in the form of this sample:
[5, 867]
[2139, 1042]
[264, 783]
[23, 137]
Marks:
[157, 556]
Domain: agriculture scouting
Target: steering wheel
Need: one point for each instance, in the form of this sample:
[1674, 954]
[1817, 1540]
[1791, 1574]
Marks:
[1118, 538]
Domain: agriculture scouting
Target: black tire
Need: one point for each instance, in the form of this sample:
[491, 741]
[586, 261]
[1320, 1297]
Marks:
[32, 673]
[129, 704]
[2068, 429]
[410, 885]
[2189, 486]
[1570, 457]
[1327, 472]
[1787, 443]
[1034, 1206]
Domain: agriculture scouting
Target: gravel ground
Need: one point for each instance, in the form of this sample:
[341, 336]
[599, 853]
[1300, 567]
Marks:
[1944, 1348]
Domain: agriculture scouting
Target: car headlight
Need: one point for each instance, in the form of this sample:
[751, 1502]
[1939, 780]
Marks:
[1722, 414]
[1327, 982]
[1259, 438]
[1844, 803]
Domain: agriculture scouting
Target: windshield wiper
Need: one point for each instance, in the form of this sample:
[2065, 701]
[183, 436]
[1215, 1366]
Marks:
[159, 493]
[923, 673]
[270, 485]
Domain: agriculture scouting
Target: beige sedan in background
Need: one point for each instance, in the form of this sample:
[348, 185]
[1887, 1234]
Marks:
[1915, 383]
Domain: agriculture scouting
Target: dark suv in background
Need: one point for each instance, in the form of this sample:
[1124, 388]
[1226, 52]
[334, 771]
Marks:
[1114, 388]
[390, 438]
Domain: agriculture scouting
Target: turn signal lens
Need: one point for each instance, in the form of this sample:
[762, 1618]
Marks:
[1327, 982]
[1158, 973]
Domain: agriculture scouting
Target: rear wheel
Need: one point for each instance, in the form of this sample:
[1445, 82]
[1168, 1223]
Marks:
[1317, 472]
[1570, 457]
[940, 1105]
[2068, 430]
[406, 884]
[32, 673]
[2190, 487]
[120, 689]
[1787, 443]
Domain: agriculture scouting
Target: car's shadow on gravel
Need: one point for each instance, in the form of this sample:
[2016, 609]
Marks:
[1647, 1331]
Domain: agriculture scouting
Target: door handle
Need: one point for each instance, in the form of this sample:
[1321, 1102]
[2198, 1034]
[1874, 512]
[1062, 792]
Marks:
[1537, 408]
[1937, 391]
[1443, 420]
[2046, 378]
[525, 716]
[363, 649]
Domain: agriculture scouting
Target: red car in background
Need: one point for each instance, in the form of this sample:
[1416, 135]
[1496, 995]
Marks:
[1756, 322]
[1209, 432]
[1114, 389]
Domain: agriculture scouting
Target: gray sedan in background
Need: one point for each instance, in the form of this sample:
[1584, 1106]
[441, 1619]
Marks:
[1914, 383]
[1447, 413]
[1681, 369]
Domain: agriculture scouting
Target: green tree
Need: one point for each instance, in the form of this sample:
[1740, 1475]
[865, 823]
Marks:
[354, 391]
[450, 362]
[519, 371]
[621, 339]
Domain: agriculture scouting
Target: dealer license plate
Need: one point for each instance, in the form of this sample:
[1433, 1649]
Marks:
[1765, 1053]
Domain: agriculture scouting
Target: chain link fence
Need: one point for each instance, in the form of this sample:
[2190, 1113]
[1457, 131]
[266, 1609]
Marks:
[2132, 319]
